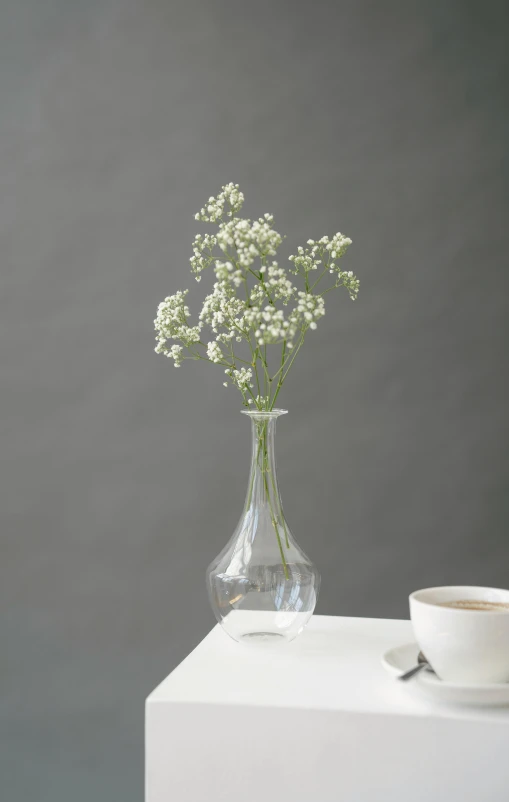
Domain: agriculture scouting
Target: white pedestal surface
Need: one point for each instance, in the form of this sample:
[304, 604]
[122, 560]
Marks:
[316, 720]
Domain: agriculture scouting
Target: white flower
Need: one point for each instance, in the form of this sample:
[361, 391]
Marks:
[222, 308]
[319, 254]
[171, 323]
[278, 284]
[240, 378]
[214, 352]
[338, 245]
[251, 240]
[304, 262]
[230, 196]
[267, 322]
[202, 253]
[175, 353]
[308, 310]
[348, 280]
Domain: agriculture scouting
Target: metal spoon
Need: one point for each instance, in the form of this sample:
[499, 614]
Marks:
[422, 663]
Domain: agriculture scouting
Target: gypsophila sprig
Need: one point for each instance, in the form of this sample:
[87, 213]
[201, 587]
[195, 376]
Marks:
[257, 315]
[171, 323]
[229, 201]
[202, 254]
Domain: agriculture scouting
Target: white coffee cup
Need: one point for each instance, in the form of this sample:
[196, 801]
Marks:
[463, 645]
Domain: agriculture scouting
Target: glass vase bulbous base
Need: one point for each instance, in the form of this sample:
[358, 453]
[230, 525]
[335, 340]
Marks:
[264, 627]
[262, 605]
[262, 587]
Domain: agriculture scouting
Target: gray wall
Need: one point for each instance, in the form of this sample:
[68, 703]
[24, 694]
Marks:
[121, 477]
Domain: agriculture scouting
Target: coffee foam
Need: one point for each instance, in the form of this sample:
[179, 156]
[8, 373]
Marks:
[477, 604]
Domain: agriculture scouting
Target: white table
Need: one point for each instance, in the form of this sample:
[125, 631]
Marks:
[316, 720]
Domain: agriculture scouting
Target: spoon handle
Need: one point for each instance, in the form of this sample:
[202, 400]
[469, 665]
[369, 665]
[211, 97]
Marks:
[413, 671]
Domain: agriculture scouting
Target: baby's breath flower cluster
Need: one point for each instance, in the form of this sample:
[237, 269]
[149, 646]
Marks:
[216, 208]
[323, 255]
[222, 308]
[202, 253]
[254, 307]
[172, 314]
[240, 378]
[214, 352]
[251, 240]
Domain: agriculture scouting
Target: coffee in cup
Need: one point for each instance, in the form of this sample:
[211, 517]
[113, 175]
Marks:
[476, 604]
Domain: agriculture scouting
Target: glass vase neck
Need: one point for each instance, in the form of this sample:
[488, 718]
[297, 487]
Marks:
[264, 414]
[263, 461]
[263, 499]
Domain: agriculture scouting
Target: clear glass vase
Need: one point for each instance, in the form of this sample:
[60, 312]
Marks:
[262, 587]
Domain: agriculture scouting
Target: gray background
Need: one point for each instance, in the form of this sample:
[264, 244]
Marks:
[122, 478]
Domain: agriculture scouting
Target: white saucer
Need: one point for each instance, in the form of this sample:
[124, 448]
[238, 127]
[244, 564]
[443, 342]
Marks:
[398, 660]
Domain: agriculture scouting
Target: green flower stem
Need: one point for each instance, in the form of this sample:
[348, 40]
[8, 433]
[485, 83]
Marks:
[261, 281]
[287, 359]
[278, 536]
[266, 373]
[250, 493]
[276, 512]
[280, 371]
[249, 390]
[271, 506]
[320, 277]
[285, 374]
[292, 360]
[276, 496]
[255, 365]
[244, 361]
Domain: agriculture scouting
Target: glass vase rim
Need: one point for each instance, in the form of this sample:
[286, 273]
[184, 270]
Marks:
[264, 414]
